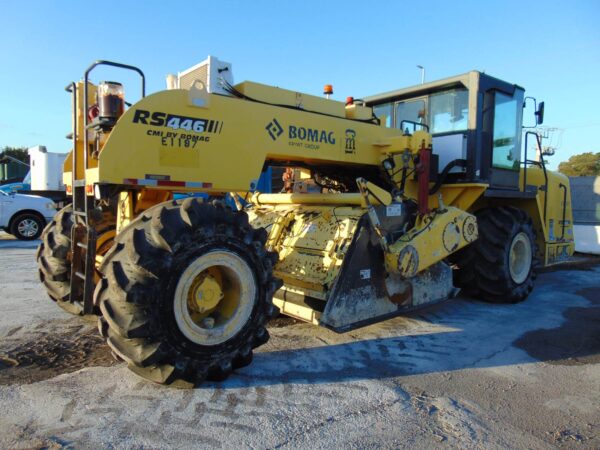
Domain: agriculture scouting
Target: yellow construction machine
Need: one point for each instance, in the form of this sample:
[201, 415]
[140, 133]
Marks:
[400, 200]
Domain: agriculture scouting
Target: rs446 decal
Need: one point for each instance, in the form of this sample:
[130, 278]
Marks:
[175, 122]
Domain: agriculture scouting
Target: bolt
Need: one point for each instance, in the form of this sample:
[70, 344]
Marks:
[208, 322]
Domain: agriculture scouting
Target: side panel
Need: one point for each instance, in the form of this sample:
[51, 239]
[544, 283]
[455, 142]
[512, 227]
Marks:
[553, 215]
[332, 266]
[551, 212]
[223, 145]
[365, 293]
[312, 242]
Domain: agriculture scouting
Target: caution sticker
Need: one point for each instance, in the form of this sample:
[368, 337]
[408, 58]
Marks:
[393, 210]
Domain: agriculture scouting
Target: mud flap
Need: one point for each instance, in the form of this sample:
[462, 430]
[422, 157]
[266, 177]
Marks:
[364, 293]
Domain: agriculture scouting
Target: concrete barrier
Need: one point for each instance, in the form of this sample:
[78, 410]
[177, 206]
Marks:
[585, 197]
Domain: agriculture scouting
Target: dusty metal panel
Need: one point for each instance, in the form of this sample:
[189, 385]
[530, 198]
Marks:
[311, 241]
[359, 292]
[332, 266]
[585, 195]
[364, 292]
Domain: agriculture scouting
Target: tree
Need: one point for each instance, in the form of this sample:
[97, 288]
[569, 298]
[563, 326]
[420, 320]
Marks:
[583, 165]
[19, 153]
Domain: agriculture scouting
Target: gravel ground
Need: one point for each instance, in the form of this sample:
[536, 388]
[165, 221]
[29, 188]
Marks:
[463, 374]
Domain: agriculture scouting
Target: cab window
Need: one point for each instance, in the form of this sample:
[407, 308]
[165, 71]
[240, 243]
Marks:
[384, 113]
[412, 111]
[449, 111]
[507, 134]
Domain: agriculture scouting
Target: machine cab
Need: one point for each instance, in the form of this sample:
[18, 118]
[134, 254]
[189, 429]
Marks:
[475, 121]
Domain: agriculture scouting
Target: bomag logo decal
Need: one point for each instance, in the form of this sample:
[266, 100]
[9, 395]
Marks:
[275, 130]
[197, 128]
[311, 135]
[301, 136]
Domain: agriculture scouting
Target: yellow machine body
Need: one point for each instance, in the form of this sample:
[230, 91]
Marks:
[337, 268]
[431, 241]
[233, 130]
[387, 204]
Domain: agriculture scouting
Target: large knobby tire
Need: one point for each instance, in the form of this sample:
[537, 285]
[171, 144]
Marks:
[500, 266]
[54, 257]
[175, 257]
[27, 226]
[54, 263]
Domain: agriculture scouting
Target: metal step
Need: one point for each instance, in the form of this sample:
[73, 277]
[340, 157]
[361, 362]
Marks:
[83, 254]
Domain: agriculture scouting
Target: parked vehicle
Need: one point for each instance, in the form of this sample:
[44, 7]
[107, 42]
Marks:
[25, 216]
[23, 185]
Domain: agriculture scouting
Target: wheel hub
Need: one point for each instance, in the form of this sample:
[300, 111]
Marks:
[27, 227]
[520, 257]
[214, 297]
[205, 294]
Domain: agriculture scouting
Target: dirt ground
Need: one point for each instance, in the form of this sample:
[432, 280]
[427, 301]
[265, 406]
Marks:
[463, 374]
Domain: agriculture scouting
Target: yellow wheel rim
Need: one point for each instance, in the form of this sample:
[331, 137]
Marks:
[214, 297]
[520, 257]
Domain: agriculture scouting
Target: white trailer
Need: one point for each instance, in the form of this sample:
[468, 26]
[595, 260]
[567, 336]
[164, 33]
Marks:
[46, 169]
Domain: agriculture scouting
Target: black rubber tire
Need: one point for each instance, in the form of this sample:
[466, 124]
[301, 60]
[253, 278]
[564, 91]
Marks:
[140, 274]
[14, 226]
[54, 266]
[53, 257]
[483, 267]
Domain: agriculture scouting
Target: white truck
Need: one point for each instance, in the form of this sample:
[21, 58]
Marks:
[44, 177]
[25, 216]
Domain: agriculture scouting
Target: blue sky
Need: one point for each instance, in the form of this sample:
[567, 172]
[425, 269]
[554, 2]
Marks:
[551, 48]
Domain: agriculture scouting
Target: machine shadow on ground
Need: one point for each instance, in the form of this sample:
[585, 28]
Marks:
[457, 335]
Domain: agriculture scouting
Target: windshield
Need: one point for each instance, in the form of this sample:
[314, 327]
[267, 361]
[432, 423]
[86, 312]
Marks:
[448, 111]
[443, 112]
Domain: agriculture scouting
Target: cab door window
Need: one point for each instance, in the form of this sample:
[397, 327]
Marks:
[506, 153]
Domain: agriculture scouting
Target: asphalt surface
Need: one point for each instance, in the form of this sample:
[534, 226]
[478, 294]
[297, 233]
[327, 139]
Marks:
[463, 374]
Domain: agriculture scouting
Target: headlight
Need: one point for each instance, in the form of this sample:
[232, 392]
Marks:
[388, 164]
[50, 205]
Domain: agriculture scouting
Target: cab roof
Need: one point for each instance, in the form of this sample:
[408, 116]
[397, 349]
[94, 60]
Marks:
[468, 80]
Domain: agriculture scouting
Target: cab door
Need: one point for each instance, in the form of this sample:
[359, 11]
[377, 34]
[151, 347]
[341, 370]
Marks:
[504, 138]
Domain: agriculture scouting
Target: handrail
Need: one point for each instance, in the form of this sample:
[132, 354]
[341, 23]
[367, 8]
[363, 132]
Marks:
[85, 97]
[562, 186]
[414, 124]
[542, 163]
[72, 88]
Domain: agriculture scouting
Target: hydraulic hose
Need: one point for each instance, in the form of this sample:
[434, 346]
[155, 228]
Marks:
[444, 174]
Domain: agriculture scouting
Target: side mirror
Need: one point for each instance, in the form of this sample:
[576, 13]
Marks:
[539, 114]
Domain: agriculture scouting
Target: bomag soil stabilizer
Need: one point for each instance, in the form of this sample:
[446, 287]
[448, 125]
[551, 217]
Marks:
[394, 202]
